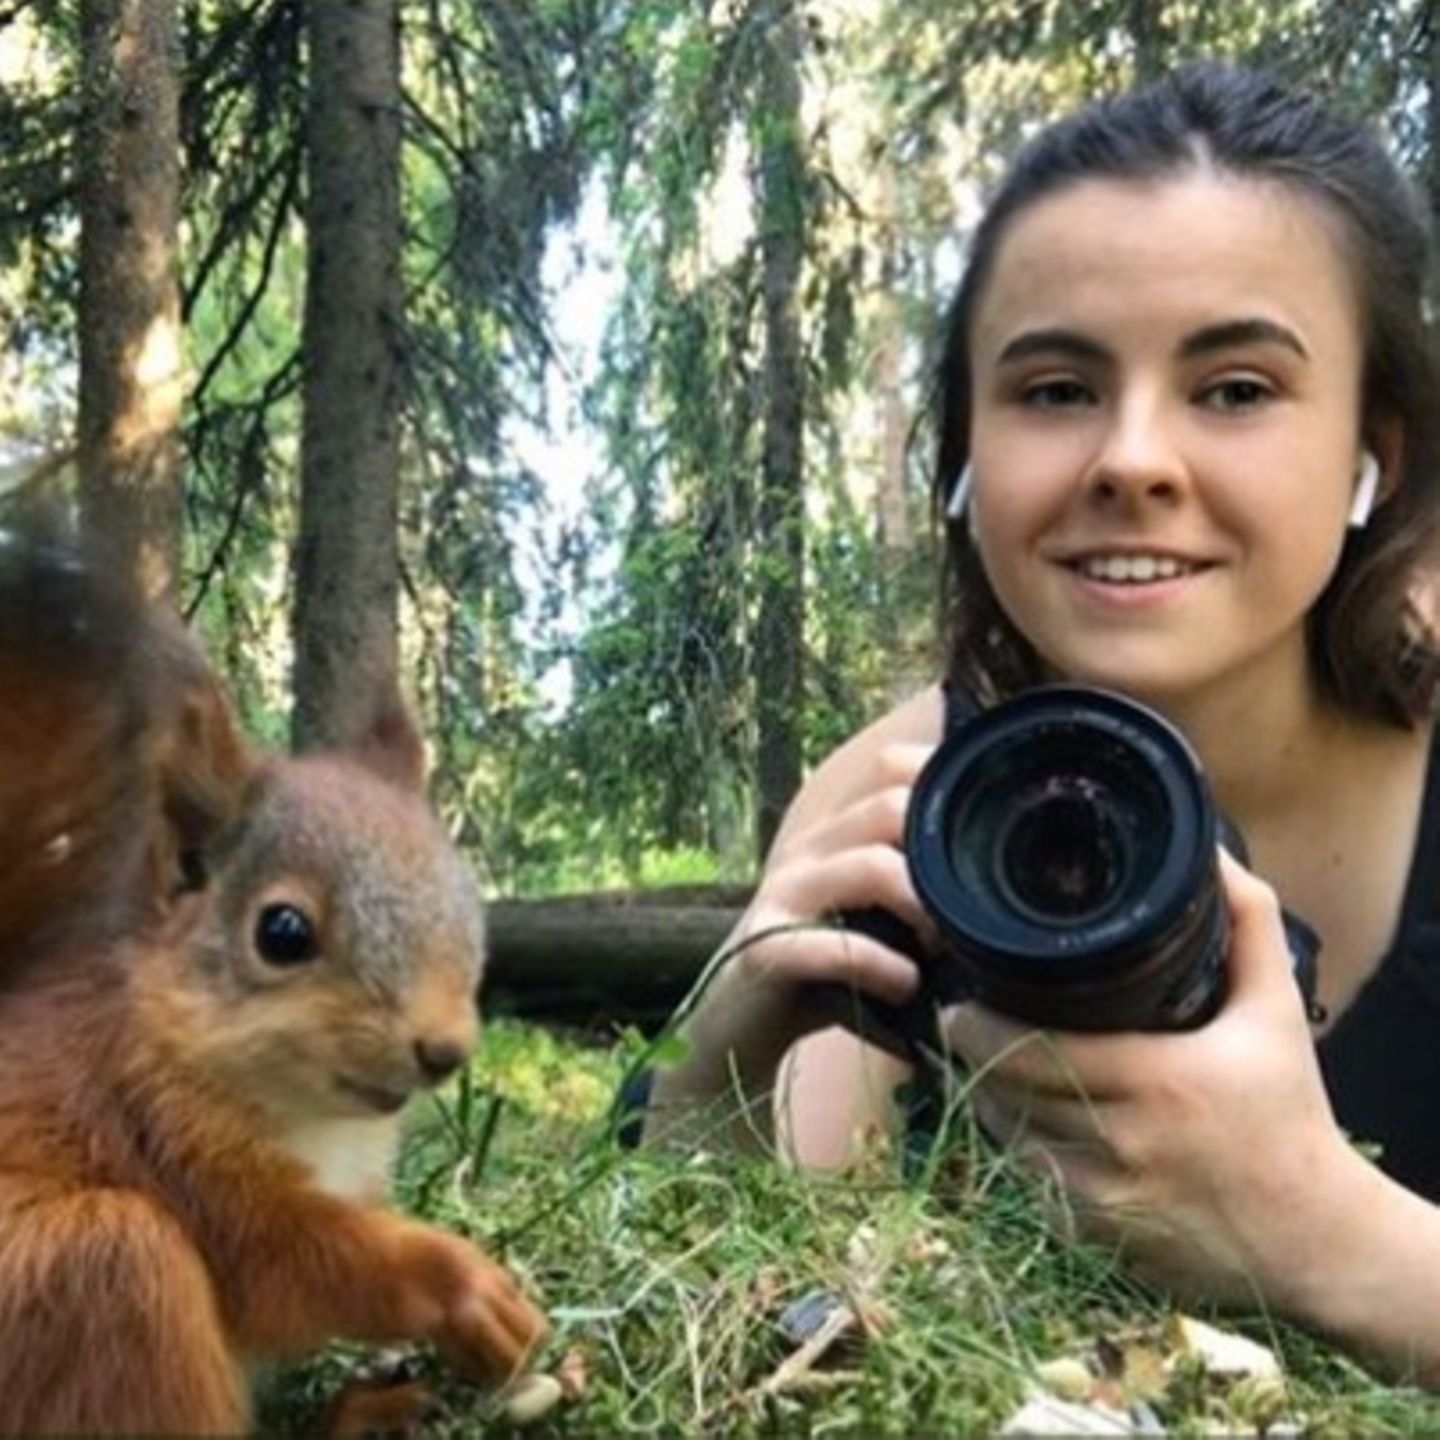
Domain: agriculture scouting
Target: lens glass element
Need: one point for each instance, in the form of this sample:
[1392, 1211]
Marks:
[1063, 855]
[1057, 829]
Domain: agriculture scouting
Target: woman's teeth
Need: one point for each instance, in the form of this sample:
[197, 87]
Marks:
[1133, 569]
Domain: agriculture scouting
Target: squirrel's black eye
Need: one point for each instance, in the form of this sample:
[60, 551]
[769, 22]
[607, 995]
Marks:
[285, 936]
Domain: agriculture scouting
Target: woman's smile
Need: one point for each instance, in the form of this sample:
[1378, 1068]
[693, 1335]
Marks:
[1129, 583]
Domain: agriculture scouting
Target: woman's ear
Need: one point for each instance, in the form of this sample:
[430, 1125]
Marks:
[1384, 438]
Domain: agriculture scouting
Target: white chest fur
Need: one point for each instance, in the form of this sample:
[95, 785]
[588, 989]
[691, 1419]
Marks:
[349, 1158]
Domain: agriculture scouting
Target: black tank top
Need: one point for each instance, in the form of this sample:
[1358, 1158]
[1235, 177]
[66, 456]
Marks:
[1381, 1059]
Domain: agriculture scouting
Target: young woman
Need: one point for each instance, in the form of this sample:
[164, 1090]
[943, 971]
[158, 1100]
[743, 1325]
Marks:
[1189, 394]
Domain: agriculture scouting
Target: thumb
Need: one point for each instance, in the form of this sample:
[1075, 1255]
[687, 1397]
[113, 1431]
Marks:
[1259, 958]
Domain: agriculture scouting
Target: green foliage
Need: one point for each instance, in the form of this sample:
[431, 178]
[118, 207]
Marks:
[589, 683]
[668, 1277]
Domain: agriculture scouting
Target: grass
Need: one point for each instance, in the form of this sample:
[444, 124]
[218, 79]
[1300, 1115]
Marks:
[668, 1278]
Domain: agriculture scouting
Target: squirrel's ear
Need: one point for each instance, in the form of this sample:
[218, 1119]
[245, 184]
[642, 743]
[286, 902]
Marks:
[391, 746]
[207, 772]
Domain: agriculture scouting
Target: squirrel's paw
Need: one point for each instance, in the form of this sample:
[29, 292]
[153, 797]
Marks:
[490, 1329]
[365, 1409]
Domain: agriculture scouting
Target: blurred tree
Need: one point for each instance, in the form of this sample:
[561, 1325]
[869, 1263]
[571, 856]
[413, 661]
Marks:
[780, 555]
[129, 300]
[347, 566]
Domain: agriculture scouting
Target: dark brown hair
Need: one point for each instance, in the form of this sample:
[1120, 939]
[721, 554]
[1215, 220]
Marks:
[1369, 648]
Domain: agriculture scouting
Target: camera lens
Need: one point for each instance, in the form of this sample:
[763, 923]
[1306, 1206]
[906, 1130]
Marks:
[1062, 855]
[1064, 844]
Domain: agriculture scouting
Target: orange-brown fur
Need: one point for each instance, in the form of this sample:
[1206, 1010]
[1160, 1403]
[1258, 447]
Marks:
[167, 1093]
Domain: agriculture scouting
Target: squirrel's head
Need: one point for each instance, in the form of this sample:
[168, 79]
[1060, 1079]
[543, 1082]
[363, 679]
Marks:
[324, 949]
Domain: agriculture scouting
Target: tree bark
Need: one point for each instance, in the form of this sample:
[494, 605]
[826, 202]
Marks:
[779, 639]
[597, 961]
[1150, 37]
[892, 493]
[347, 571]
[129, 307]
[1432, 118]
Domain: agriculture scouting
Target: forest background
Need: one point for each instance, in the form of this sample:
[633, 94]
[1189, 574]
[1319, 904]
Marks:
[578, 349]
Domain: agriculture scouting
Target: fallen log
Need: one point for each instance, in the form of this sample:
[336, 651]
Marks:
[605, 960]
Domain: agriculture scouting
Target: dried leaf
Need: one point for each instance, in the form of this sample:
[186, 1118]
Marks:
[573, 1373]
[1145, 1373]
[1067, 1378]
[531, 1398]
[1222, 1352]
[862, 1250]
[1043, 1416]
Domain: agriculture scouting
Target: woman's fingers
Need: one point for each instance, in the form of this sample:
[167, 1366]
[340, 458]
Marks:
[1259, 953]
[1089, 1067]
[875, 877]
[810, 951]
[875, 819]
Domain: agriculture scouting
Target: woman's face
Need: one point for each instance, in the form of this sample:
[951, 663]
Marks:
[1166, 429]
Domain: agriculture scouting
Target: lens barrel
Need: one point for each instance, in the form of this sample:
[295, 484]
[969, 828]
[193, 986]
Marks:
[1065, 845]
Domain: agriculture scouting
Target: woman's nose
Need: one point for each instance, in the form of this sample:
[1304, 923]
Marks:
[1139, 461]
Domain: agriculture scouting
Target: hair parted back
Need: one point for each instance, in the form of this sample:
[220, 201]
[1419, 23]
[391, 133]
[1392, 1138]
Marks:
[1369, 648]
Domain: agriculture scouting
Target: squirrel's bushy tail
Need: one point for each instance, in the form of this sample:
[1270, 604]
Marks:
[87, 695]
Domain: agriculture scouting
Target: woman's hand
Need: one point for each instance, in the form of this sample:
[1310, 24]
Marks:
[840, 849]
[831, 861]
[1211, 1157]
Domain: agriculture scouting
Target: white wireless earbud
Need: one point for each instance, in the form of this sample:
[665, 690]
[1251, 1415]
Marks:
[1366, 485]
[960, 496]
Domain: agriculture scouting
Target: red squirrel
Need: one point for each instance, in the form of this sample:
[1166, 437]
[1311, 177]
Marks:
[222, 974]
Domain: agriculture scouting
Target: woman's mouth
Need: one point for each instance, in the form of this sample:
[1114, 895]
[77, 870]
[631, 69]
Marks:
[1134, 569]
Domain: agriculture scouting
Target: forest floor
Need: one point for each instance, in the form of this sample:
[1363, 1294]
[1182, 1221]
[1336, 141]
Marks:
[704, 1294]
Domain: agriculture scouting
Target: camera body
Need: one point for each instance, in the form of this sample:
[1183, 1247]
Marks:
[1064, 845]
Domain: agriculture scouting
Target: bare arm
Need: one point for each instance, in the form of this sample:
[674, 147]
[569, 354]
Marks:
[1377, 1290]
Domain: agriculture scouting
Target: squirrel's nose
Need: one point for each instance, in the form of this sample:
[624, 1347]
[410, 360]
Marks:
[439, 1059]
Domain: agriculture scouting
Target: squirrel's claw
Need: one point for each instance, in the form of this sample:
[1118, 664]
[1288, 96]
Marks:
[365, 1409]
[491, 1331]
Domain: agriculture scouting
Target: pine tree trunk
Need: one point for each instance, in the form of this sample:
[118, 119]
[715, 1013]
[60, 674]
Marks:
[779, 640]
[347, 571]
[1432, 116]
[129, 311]
[1150, 37]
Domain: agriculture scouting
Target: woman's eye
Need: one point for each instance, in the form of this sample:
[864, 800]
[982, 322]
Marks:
[1056, 395]
[285, 935]
[1241, 393]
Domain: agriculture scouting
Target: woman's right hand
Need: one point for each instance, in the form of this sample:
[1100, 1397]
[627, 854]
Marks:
[839, 850]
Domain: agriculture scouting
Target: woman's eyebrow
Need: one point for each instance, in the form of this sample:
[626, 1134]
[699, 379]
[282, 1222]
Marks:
[1052, 342]
[1249, 331]
[1225, 335]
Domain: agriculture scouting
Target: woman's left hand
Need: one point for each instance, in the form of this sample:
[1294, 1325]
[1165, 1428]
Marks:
[1211, 1156]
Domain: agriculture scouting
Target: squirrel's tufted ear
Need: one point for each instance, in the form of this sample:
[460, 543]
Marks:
[391, 746]
[206, 771]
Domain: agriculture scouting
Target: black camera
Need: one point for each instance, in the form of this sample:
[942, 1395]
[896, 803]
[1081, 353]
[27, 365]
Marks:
[1064, 844]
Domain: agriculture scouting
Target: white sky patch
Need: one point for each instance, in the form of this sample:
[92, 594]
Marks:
[581, 281]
